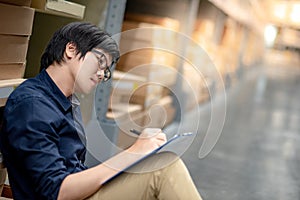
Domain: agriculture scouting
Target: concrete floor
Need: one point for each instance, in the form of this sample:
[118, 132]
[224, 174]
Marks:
[256, 156]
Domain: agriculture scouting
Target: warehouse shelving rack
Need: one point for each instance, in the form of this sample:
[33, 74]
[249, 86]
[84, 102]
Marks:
[186, 13]
[108, 128]
[110, 16]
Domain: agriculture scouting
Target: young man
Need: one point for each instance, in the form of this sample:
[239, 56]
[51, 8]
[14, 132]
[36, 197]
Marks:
[43, 140]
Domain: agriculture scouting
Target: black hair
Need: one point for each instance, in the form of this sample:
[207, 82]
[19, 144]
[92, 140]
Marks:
[84, 36]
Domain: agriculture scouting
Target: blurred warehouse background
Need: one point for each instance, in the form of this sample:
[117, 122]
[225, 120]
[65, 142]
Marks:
[182, 59]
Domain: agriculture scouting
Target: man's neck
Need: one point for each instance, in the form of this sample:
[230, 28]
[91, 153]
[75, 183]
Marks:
[62, 77]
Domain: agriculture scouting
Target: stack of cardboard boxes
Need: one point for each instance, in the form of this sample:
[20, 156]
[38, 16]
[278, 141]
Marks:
[147, 70]
[230, 48]
[223, 49]
[147, 47]
[203, 35]
[15, 29]
[198, 72]
[194, 85]
[16, 19]
[127, 115]
[130, 115]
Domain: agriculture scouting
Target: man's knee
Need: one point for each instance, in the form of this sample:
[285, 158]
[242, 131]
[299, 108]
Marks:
[155, 162]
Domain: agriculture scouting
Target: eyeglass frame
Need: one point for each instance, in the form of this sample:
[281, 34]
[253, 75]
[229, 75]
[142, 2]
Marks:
[107, 72]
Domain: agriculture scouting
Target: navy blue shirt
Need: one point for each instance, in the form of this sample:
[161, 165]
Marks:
[42, 138]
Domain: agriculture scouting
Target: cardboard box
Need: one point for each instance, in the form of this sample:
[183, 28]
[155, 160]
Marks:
[130, 88]
[161, 114]
[3, 101]
[166, 22]
[15, 20]
[123, 85]
[126, 116]
[61, 6]
[144, 56]
[193, 85]
[12, 70]
[154, 65]
[146, 96]
[148, 32]
[204, 30]
[13, 49]
[144, 100]
[17, 2]
[3, 173]
[128, 44]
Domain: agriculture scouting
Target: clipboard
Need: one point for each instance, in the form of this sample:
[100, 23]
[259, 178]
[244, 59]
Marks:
[173, 140]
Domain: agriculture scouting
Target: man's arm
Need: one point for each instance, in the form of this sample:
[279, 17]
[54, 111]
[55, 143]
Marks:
[90, 180]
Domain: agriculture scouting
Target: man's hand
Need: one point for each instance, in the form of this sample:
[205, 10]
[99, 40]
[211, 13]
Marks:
[150, 139]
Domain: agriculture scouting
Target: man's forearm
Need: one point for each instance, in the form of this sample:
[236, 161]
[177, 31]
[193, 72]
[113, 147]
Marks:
[83, 184]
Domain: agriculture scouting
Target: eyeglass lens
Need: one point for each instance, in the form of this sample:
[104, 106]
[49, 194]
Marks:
[103, 65]
[107, 74]
[103, 62]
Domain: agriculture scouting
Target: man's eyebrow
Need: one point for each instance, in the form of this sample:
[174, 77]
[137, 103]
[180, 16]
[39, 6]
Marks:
[97, 52]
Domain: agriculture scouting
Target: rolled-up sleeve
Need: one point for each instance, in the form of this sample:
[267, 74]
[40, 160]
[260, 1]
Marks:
[32, 132]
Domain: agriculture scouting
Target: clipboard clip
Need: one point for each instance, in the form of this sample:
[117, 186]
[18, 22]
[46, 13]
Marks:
[181, 135]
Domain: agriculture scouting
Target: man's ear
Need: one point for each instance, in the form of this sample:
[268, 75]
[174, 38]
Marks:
[71, 50]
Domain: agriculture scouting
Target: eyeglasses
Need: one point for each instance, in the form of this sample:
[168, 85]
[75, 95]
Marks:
[102, 61]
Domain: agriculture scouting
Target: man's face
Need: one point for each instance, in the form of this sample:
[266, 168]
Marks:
[93, 69]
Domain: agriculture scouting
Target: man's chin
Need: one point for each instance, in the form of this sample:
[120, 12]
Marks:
[86, 90]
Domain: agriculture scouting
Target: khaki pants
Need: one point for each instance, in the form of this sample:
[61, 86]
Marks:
[162, 176]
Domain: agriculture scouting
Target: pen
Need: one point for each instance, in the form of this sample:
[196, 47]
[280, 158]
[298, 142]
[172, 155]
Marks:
[135, 131]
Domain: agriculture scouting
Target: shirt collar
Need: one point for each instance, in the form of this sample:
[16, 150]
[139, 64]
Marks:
[61, 99]
[74, 101]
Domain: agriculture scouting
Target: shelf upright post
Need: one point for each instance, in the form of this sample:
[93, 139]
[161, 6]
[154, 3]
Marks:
[187, 30]
[113, 24]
